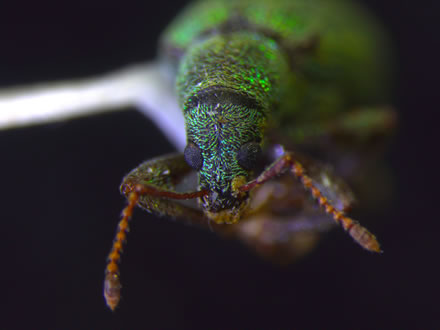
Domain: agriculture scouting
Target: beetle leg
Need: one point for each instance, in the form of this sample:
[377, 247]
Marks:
[283, 224]
[289, 162]
[282, 239]
[151, 185]
[162, 178]
[282, 193]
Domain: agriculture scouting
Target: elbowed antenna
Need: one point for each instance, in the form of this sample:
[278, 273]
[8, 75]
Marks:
[112, 284]
[287, 161]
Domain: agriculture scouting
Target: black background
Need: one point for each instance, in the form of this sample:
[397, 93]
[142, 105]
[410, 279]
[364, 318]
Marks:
[60, 202]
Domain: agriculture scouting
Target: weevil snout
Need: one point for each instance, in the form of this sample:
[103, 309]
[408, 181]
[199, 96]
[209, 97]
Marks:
[226, 207]
[215, 202]
[224, 134]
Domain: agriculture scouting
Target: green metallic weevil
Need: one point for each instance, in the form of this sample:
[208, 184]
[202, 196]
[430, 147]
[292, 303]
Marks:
[271, 92]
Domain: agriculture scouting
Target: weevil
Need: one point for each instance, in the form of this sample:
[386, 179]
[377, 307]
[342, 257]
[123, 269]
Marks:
[281, 99]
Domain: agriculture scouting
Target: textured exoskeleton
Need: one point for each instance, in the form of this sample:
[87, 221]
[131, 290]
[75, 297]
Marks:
[283, 103]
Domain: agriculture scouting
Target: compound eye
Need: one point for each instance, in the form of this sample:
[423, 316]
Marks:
[193, 156]
[248, 155]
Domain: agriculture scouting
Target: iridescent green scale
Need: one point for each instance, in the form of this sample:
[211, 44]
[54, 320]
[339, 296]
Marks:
[299, 63]
[335, 51]
[269, 90]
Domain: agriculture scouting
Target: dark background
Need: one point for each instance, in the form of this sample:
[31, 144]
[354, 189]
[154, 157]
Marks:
[60, 202]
